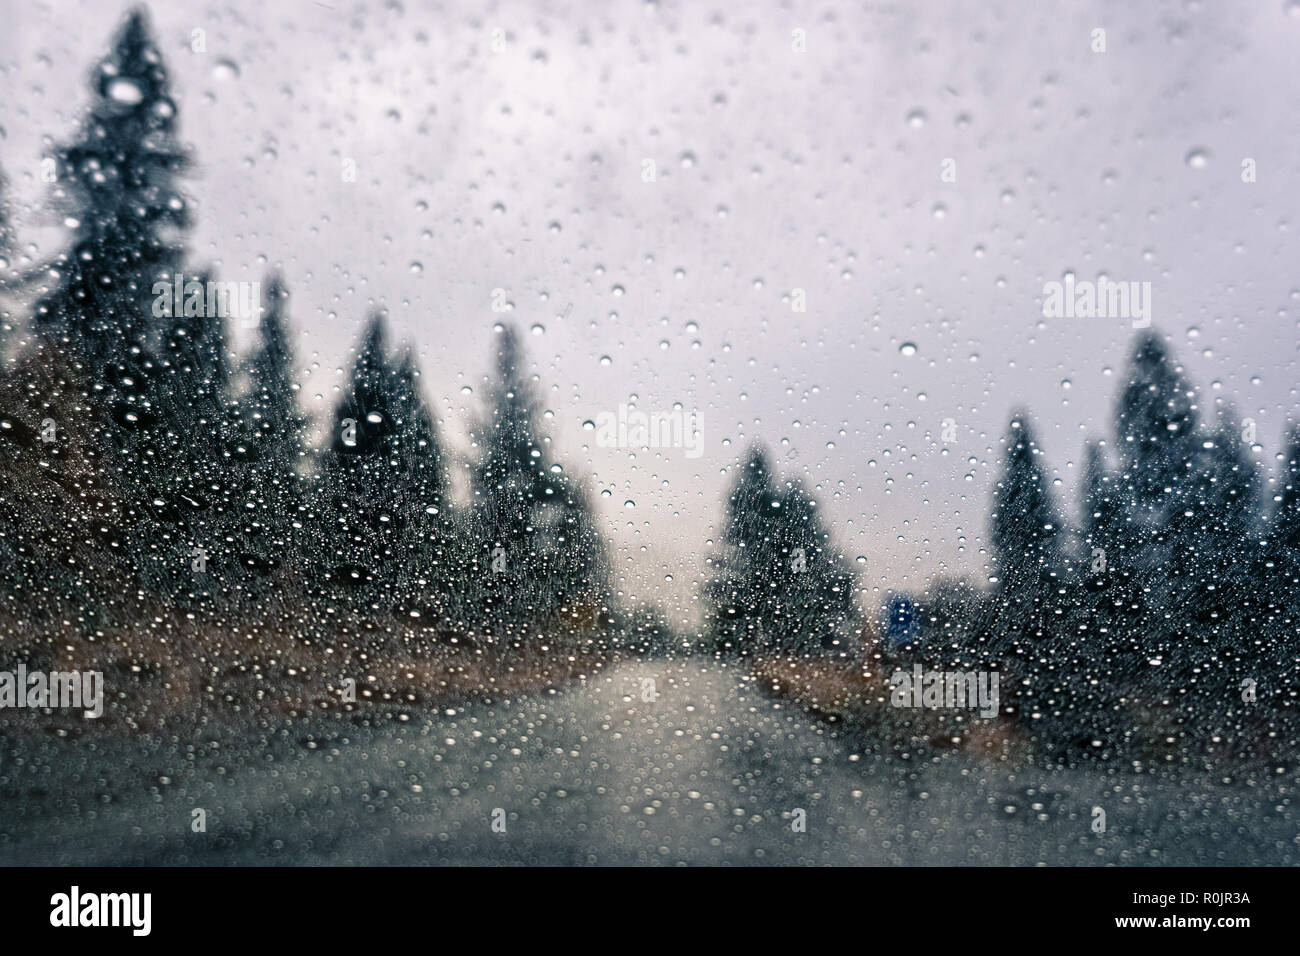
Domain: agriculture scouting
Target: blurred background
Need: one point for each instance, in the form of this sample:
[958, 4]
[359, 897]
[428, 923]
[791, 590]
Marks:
[505, 146]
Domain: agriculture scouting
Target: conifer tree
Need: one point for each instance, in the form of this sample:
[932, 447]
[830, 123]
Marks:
[178, 467]
[1158, 438]
[6, 228]
[1284, 534]
[1156, 427]
[1029, 561]
[272, 443]
[118, 182]
[1279, 579]
[380, 505]
[1226, 500]
[820, 603]
[780, 587]
[427, 535]
[1217, 552]
[736, 595]
[1103, 511]
[1105, 573]
[359, 526]
[540, 554]
[6, 266]
[1026, 527]
[276, 427]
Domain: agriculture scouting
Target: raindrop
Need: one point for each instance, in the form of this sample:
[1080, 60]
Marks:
[125, 91]
[225, 70]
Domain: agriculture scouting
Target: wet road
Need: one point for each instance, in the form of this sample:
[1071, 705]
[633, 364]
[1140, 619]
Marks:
[704, 771]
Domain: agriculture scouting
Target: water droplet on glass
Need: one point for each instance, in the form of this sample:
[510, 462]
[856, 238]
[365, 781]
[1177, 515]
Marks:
[225, 70]
[125, 91]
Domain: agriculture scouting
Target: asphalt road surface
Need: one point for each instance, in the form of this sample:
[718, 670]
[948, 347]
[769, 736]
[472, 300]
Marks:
[696, 768]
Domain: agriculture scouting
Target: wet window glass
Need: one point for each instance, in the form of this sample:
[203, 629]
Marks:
[649, 434]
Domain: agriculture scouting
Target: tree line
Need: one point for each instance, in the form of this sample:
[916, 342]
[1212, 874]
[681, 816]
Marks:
[132, 431]
[1174, 598]
[142, 457]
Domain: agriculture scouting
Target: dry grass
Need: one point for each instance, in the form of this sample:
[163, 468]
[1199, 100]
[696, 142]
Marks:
[171, 672]
[857, 693]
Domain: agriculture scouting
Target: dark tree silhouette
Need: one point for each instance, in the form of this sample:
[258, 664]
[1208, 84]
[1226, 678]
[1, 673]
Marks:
[380, 490]
[1026, 523]
[736, 592]
[1156, 429]
[779, 586]
[540, 554]
[118, 181]
[428, 529]
[271, 445]
[359, 513]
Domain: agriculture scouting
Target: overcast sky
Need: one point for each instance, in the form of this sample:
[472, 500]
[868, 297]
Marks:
[522, 169]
